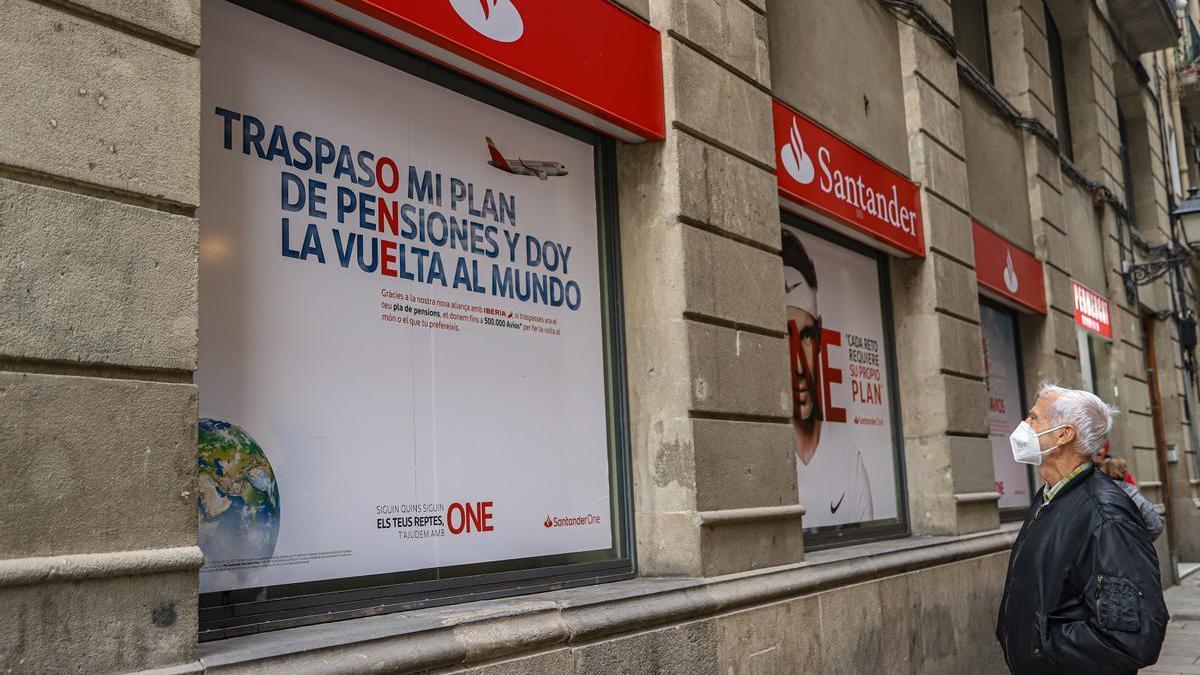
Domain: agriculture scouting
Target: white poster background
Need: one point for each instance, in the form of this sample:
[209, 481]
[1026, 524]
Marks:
[355, 413]
[1004, 404]
[853, 468]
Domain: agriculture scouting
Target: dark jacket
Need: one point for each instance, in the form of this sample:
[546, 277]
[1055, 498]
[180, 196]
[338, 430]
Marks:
[1083, 593]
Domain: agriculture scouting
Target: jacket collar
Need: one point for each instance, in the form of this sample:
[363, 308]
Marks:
[1075, 481]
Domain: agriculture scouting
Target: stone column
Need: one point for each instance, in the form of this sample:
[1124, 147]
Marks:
[1020, 51]
[951, 484]
[714, 467]
[99, 150]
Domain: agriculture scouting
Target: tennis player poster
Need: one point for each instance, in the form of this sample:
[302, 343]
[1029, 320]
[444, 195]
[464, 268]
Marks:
[841, 388]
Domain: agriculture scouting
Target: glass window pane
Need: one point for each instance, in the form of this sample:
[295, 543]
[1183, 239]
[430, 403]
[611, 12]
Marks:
[406, 370]
[1086, 369]
[845, 432]
[1058, 80]
[971, 34]
[1006, 407]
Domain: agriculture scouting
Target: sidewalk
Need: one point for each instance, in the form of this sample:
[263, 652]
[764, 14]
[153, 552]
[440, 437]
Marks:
[1181, 650]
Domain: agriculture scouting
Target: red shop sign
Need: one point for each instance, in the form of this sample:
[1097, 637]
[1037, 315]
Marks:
[821, 174]
[589, 60]
[1092, 310]
[1007, 273]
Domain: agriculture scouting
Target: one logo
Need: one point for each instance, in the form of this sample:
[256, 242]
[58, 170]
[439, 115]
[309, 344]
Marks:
[797, 162]
[834, 507]
[1011, 282]
[495, 19]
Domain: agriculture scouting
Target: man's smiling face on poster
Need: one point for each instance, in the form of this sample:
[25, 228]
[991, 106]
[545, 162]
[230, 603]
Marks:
[804, 330]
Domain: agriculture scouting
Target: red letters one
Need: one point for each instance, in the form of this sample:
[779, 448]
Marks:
[477, 516]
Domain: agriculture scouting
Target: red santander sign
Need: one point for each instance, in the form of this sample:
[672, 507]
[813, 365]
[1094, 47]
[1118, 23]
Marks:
[1092, 310]
[1007, 273]
[589, 60]
[822, 174]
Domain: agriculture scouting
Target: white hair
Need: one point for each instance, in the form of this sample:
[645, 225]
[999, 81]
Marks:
[1091, 417]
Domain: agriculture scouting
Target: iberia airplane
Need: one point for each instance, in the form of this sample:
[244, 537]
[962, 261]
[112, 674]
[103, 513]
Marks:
[525, 167]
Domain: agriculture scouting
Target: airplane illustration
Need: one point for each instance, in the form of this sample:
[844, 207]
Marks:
[525, 167]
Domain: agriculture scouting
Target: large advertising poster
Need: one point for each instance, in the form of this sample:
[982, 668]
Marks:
[841, 393]
[401, 350]
[1004, 404]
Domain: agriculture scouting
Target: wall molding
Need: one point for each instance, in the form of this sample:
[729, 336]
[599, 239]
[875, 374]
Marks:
[474, 633]
[87, 566]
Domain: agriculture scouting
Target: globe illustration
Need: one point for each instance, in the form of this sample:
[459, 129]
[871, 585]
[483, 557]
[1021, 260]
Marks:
[238, 497]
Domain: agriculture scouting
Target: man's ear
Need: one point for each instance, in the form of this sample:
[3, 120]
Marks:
[1067, 435]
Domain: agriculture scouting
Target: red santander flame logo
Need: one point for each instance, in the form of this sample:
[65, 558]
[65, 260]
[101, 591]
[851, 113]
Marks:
[498, 20]
[548, 523]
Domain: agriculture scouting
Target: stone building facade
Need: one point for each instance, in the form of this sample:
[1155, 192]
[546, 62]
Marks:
[99, 277]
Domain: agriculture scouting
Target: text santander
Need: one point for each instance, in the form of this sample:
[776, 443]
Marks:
[856, 192]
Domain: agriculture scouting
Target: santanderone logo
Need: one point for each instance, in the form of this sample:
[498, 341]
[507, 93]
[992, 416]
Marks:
[795, 160]
[495, 19]
[1011, 282]
[572, 521]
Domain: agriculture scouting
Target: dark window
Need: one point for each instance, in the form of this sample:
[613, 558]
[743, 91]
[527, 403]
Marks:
[971, 33]
[1058, 80]
[1126, 167]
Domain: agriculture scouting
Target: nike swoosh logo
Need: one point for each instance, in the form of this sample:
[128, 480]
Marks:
[788, 288]
[834, 507]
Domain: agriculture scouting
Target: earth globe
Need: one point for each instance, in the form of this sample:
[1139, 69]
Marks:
[238, 497]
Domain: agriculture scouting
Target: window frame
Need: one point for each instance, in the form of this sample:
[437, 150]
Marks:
[837, 536]
[224, 614]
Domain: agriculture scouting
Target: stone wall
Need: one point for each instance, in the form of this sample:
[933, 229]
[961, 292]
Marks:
[846, 630]
[99, 184]
[714, 470]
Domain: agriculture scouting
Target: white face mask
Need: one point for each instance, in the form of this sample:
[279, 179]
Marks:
[1025, 446]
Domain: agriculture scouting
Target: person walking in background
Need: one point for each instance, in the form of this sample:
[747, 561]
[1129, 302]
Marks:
[1118, 470]
[1083, 594]
[1102, 456]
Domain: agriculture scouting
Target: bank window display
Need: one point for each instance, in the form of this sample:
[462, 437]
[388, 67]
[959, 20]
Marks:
[844, 409]
[1006, 406]
[1011, 282]
[410, 375]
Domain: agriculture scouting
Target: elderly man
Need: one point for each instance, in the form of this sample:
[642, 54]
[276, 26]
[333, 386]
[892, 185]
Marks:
[1083, 593]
